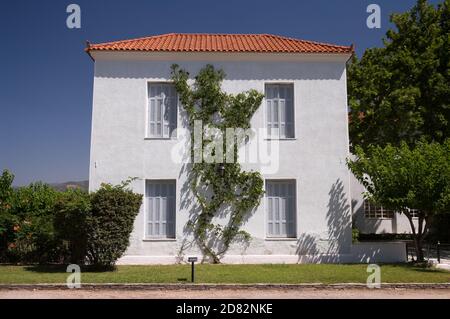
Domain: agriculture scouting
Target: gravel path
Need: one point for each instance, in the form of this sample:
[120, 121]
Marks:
[308, 293]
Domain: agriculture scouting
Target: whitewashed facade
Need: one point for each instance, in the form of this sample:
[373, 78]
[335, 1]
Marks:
[306, 214]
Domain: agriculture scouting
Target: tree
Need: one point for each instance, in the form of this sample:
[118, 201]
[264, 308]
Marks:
[401, 92]
[218, 187]
[6, 192]
[32, 207]
[404, 177]
[6, 218]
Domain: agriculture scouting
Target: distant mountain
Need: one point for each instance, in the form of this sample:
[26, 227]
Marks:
[67, 185]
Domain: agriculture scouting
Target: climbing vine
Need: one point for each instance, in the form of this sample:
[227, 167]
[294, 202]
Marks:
[224, 186]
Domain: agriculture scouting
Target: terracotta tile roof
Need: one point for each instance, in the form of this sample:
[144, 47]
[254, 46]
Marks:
[257, 43]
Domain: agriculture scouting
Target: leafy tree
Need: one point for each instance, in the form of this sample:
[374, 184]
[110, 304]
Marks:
[6, 190]
[29, 229]
[6, 218]
[401, 92]
[406, 177]
[33, 210]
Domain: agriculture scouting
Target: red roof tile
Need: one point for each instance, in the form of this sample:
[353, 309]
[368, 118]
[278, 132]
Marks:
[259, 43]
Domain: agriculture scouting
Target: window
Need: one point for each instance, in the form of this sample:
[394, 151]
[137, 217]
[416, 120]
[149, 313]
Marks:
[280, 110]
[160, 196]
[377, 211]
[280, 206]
[414, 213]
[162, 110]
[372, 210]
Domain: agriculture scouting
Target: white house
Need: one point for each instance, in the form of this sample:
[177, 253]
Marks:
[306, 213]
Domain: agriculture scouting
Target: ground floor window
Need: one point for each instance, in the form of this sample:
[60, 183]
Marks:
[372, 210]
[160, 208]
[281, 208]
[376, 211]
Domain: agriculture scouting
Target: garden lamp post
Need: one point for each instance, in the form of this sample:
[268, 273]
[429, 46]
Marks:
[221, 169]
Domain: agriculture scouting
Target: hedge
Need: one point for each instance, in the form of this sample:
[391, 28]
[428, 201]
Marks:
[41, 225]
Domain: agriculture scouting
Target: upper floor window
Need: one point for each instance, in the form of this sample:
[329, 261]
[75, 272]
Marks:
[280, 110]
[162, 110]
[281, 211]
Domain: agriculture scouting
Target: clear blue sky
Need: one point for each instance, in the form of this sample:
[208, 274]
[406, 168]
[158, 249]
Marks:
[46, 78]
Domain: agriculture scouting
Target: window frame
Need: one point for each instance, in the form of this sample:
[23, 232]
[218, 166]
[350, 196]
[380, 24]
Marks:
[147, 135]
[414, 212]
[148, 237]
[294, 234]
[268, 134]
[386, 214]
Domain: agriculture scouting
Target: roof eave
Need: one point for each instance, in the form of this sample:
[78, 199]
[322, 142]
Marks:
[92, 52]
[87, 49]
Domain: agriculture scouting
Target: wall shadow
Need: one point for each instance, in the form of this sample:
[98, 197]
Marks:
[338, 219]
[315, 249]
[359, 220]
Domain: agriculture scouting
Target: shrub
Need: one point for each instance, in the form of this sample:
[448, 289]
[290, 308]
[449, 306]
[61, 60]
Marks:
[34, 241]
[6, 218]
[113, 211]
[355, 235]
[41, 225]
[384, 237]
[72, 210]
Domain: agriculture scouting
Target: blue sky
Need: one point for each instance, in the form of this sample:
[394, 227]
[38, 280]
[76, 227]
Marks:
[46, 78]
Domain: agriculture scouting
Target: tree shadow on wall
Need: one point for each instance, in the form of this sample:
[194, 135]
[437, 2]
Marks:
[339, 220]
[307, 250]
[338, 239]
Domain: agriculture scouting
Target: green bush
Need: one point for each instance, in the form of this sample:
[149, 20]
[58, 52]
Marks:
[355, 234]
[32, 208]
[26, 230]
[6, 218]
[41, 225]
[113, 211]
[72, 210]
[384, 237]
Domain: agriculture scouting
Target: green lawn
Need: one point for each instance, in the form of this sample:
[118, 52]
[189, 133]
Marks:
[291, 274]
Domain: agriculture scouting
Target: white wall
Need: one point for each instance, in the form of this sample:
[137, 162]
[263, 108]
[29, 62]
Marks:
[379, 252]
[315, 159]
[361, 252]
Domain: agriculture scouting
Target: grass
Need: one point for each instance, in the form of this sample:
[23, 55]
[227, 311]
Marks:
[289, 274]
